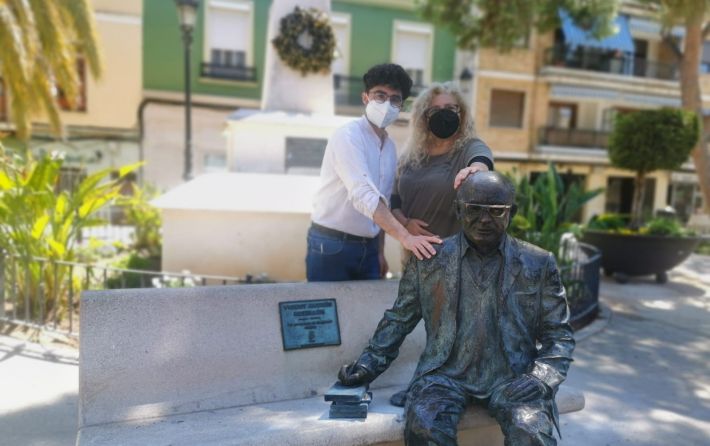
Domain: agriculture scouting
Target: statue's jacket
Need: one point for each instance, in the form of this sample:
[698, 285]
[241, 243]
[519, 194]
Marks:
[531, 309]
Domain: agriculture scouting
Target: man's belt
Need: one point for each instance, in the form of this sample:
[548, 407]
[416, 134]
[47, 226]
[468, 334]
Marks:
[339, 234]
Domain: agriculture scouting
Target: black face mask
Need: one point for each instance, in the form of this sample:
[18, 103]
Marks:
[444, 123]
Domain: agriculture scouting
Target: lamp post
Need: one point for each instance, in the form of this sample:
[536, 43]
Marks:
[187, 16]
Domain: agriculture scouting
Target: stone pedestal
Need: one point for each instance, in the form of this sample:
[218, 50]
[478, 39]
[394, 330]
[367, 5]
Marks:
[286, 89]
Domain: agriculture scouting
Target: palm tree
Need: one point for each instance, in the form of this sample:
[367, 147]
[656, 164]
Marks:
[40, 43]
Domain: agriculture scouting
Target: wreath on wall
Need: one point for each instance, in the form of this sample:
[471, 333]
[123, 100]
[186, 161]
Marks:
[306, 41]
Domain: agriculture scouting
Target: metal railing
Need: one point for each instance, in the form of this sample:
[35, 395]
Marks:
[568, 137]
[228, 72]
[609, 62]
[43, 293]
[348, 90]
[581, 280]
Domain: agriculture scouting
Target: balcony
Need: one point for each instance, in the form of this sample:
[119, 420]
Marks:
[228, 72]
[348, 89]
[575, 138]
[610, 62]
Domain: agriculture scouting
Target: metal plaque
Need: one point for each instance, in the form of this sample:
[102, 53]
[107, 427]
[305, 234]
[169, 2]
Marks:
[309, 323]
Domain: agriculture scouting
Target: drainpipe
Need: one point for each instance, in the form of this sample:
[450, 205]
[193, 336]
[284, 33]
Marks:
[172, 102]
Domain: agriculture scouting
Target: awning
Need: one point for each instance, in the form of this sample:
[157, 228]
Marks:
[576, 36]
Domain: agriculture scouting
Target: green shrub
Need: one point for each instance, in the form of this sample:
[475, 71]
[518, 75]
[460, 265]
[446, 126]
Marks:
[608, 222]
[703, 248]
[40, 220]
[146, 220]
[546, 208]
[647, 140]
[664, 226]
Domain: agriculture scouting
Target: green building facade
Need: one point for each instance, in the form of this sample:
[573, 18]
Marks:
[373, 32]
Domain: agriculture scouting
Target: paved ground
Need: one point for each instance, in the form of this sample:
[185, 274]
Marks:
[38, 394]
[644, 372]
[645, 376]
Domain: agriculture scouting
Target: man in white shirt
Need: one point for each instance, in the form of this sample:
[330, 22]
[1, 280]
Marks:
[351, 209]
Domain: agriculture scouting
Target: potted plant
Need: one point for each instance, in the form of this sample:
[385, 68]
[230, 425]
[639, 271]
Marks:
[645, 141]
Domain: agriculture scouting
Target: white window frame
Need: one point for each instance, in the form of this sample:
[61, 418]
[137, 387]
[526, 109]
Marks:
[415, 28]
[244, 6]
[341, 19]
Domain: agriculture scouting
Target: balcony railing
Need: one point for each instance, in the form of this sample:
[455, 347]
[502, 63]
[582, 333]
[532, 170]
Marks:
[348, 90]
[228, 72]
[587, 139]
[609, 62]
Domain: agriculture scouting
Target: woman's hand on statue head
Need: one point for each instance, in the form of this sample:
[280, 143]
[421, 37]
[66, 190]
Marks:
[466, 171]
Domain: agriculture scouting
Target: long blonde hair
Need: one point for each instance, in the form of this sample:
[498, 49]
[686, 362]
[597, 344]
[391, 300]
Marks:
[415, 149]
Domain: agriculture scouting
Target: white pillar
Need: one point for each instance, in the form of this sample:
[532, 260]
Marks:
[286, 89]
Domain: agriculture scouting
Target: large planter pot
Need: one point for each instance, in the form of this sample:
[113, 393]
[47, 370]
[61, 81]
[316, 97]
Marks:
[640, 255]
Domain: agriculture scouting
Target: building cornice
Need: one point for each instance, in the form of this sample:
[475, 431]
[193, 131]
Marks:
[205, 98]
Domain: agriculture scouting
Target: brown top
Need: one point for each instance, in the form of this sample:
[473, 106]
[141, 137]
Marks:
[428, 193]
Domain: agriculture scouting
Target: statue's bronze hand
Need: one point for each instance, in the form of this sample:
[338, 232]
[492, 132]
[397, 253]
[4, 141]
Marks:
[527, 388]
[353, 374]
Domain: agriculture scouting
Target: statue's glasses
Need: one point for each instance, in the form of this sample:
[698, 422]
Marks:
[474, 211]
[381, 97]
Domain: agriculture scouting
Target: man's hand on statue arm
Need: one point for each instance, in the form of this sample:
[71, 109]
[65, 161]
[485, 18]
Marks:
[420, 245]
[527, 388]
[354, 374]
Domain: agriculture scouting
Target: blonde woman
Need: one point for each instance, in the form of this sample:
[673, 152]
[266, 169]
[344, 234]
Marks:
[441, 152]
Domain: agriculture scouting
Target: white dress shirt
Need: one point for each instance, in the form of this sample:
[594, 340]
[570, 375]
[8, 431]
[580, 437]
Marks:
[358, 170]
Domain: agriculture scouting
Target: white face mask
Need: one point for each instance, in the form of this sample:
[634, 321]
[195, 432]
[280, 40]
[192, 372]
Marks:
[382, 114]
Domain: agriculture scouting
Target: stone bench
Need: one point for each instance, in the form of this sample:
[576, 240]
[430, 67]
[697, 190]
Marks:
[207, 366]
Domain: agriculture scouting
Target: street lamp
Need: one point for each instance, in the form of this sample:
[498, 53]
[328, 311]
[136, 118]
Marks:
[187, 16]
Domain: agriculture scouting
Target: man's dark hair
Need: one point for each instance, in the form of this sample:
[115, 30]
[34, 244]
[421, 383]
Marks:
[389, 74]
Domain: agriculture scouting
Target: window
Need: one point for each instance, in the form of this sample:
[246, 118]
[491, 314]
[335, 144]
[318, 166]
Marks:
[507, 108]
[80, 104]
[412, 49]
[609, 116]
[304, 153]
[562, 116]
[705, 61]
[341, 29]
[228, 40]
[215, 162]
[620, 195]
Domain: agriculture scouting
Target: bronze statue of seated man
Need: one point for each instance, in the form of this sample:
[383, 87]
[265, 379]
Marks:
[496, 319]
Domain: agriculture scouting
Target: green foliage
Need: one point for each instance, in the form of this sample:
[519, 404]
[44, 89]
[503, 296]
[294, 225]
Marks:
[40, 221]
[502, 24]
[664, 226]
[703, 248]
[648, 140]
[546, 208]
[41, 43]
[319, 56]
[618, 223]
[608, 222]
[131, 279]
[145, 218]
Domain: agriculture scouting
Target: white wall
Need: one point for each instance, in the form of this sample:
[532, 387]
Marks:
[240, 243]
[164, 142]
